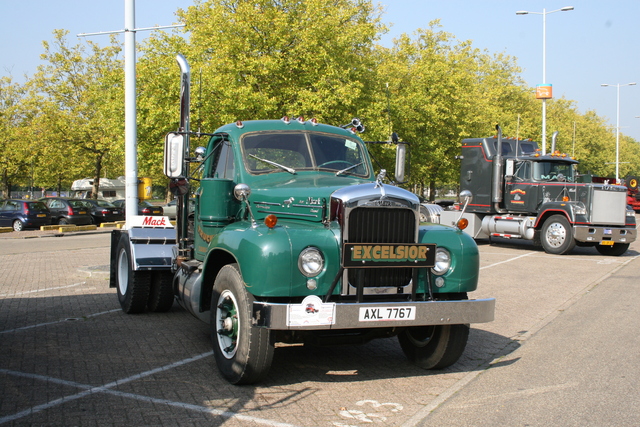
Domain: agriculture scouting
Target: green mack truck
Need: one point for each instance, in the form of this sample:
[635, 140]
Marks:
[295, 239]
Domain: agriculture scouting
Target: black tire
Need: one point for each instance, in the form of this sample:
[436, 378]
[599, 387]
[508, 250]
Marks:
[556, 235]
[243, 352]
[616, 250]
[434, 347]
[63, 221]
[160, 292]
[132, 286]
[18, 225]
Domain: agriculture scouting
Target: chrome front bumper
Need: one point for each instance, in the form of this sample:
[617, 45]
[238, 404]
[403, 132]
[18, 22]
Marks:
[348, 315]
[599, 233]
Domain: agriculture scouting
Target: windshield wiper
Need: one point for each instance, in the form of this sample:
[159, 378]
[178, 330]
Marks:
[340, 172]
[288, 169]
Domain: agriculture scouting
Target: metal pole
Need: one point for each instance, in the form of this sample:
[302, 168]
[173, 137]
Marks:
[544, 80]
[130, 126]
[618, 133]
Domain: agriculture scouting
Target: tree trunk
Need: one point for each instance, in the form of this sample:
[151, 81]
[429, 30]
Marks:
[432, 191]
[96, 176]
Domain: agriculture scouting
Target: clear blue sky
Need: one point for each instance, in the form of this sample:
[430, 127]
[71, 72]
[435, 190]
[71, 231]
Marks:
[596, 43]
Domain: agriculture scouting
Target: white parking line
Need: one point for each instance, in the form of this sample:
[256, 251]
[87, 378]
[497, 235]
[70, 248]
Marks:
[42, 290]
[107, 389]
[507, 260]
[22, 328]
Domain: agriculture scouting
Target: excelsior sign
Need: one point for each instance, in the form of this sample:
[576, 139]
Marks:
[388, 255]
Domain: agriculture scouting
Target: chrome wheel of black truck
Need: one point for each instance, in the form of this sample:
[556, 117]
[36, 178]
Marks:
[243, 352]
[556, 236]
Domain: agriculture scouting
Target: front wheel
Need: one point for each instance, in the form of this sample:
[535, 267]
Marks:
[616, 250]
[243, 352]
[434, 347]
[556, 236]
[132, 286]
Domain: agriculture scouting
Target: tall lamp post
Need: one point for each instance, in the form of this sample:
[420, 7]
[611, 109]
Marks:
[617, 86]
[544, 97]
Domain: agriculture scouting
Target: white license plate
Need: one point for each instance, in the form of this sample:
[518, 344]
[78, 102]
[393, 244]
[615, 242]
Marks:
[381, 314]
[116, 212]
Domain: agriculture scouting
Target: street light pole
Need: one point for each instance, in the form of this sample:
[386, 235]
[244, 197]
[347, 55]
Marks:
[618, 123]
[544, 14]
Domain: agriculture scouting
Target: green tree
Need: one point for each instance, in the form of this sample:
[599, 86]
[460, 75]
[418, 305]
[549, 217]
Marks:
[259, 60]
[81, 116]
[14, 157]
[441, 90]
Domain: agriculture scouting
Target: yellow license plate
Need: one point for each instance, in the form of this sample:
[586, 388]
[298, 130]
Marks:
[607, 243]
[41, 215]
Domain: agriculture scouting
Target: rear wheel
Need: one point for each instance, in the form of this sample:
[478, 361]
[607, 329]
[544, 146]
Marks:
[132, 286]
[18, 225]
[63, 221]
[434, 347]
[160, 292]
[556, 236]
[243, 352]
[616, 250]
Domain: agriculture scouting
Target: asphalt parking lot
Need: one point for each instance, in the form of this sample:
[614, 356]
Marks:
[70, 356]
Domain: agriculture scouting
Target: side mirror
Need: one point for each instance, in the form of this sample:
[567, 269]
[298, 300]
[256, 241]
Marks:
[509, 168]
[174, 155]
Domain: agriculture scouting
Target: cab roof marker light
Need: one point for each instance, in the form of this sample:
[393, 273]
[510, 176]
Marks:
[286, 120]
[300, 120]
[239, 124]
[314, 121]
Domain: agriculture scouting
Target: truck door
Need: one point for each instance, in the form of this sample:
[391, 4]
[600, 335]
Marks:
[215, 204]
[520, 193]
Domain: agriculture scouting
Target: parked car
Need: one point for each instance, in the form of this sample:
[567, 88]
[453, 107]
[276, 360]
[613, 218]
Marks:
[21, 214]
[144, 207]
[170, 209]
[67, 211]
[103, 211]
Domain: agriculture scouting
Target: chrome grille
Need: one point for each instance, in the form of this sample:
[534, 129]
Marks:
[381, 225]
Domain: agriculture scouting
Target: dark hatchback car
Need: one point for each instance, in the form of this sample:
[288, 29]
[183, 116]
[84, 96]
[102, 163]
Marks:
[103, 211]
[67, 211]
[21, 214]
[144, 207]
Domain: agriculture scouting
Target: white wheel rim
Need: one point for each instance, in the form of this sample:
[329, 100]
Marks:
[556, 235]
[227, 324]
[123, 272]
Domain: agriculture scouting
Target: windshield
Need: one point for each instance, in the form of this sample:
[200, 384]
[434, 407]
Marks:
[295, 151]
[554, 171]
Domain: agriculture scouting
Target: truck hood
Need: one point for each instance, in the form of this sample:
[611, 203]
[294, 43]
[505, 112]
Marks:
[308, 196]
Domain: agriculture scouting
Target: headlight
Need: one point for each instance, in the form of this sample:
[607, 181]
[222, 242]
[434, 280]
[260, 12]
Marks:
[310, 261]
[630, 211]
[443, 262]
[579, 209]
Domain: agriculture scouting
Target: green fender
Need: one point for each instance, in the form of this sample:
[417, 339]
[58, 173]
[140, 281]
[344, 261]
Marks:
[268, 258]
[465, 258]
